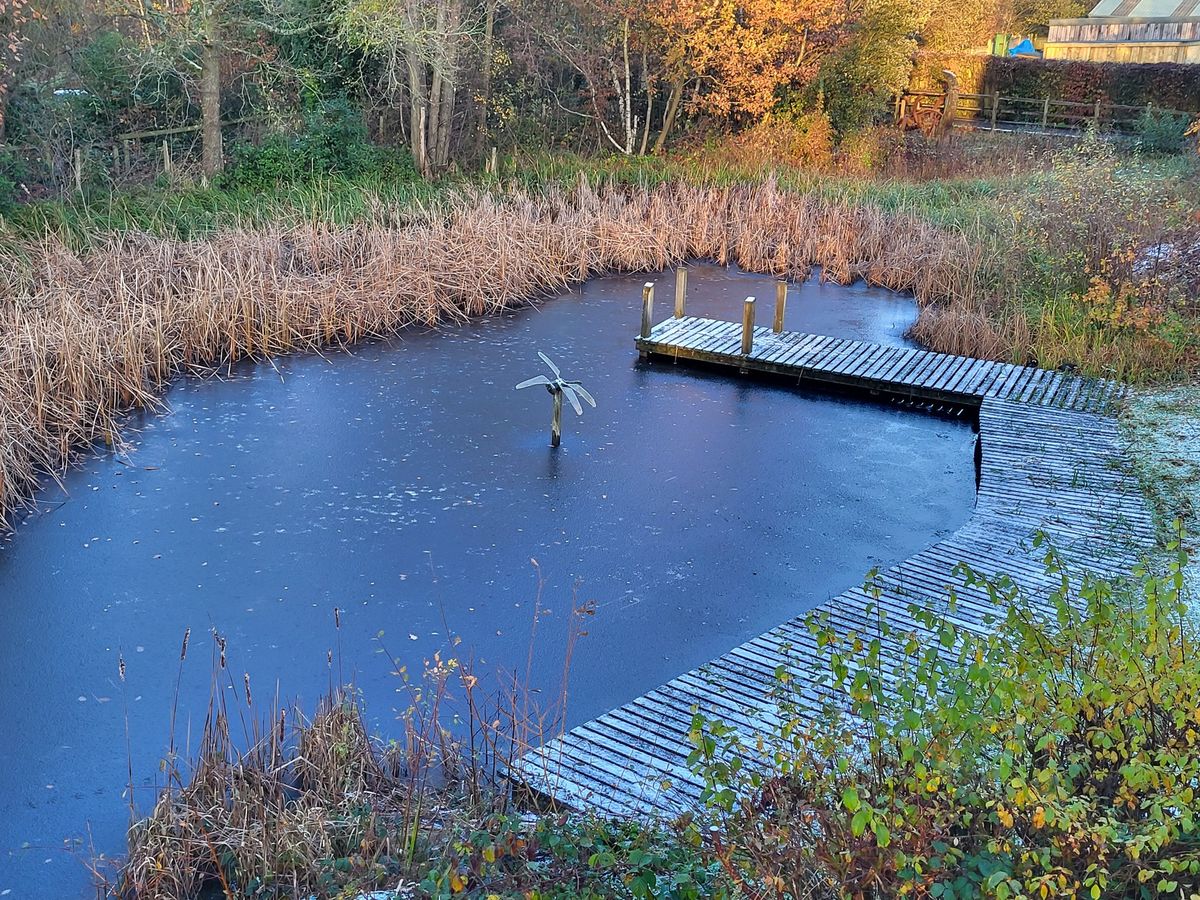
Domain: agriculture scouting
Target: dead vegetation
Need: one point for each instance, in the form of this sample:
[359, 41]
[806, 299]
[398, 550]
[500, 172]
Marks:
[84, 337]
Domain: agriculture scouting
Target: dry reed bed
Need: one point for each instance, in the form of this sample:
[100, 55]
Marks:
[86, 337]
[306, 791]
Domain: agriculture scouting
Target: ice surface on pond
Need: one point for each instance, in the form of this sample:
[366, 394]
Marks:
[402, 482]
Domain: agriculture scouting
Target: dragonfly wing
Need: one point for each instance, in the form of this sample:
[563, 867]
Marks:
[570, 392]
[530, 382]
[553, 367]
[585, 395]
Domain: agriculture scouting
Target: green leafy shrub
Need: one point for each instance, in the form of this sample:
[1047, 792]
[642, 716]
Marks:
[1161, 132]
[13, 173]
[570, 857]
[1054, 755]
[861, 79]
[333, 142]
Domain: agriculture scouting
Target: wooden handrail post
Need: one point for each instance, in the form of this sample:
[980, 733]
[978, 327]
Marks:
[647, 308]
[748, 326]
[680, 291]
[780, 305]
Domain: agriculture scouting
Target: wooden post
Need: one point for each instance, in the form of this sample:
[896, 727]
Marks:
[1046, 113]
[166, 154]
[995, 108]
[78, 170]
[647, 308]
[494, 162]
[949, 105]
[680, 291]
[780, 305]
[748, 326]
[1096, 115]
[556, 422]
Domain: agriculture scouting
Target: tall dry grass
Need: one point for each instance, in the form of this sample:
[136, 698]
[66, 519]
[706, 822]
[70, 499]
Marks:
[86, 336]
[274, 802]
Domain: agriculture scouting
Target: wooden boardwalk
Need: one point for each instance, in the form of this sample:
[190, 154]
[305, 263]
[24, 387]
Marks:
[1052, 459]
[899, 371]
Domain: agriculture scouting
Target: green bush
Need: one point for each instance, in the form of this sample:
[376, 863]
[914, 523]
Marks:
[1159, 131]
[861, 79]
[573, 858]
[333, 142]
[13, 173]
[1054, 755]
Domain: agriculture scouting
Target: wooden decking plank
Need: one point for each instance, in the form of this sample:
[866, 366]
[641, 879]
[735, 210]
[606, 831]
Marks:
[886, 362]
[937, 373]
[950, 373]
[918, 369]
[867, 359]
[962, 375]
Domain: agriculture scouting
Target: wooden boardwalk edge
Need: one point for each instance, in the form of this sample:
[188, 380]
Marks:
[1052, 460]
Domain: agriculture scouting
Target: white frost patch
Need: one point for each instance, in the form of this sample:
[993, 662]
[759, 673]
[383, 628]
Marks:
[1164, 427]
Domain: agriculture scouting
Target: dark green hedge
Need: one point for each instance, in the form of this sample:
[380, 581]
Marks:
[1170, 85]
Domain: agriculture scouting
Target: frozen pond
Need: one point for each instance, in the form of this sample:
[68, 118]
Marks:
[407, 483]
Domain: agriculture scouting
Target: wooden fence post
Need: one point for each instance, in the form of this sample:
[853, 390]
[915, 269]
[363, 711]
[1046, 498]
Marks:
[780, 306]
[747, 326]
[680, 291]
[1096, 115]
[166, 155]
[78, 170]
[647, 308]
[949, 106]
[1046, 113]
[995, 108]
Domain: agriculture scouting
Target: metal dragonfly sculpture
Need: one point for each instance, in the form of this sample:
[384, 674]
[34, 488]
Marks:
[558, 387]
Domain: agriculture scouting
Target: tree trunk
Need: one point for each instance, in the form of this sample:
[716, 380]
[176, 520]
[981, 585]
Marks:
[649, 106]
[489, 65]
[418, 98]
[673, 101]
[627, 96]
[210, 97]
[445, 122]
[436, 84]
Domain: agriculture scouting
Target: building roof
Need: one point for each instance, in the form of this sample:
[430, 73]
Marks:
[1166, 9]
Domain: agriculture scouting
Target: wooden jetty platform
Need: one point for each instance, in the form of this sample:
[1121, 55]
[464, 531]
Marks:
[876, 368]
[1052, 459]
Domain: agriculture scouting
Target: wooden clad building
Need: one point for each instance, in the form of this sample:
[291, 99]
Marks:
[1149, 31]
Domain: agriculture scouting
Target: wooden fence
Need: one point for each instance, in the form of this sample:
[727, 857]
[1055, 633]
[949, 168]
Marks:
[999, 112]
[134, 153]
